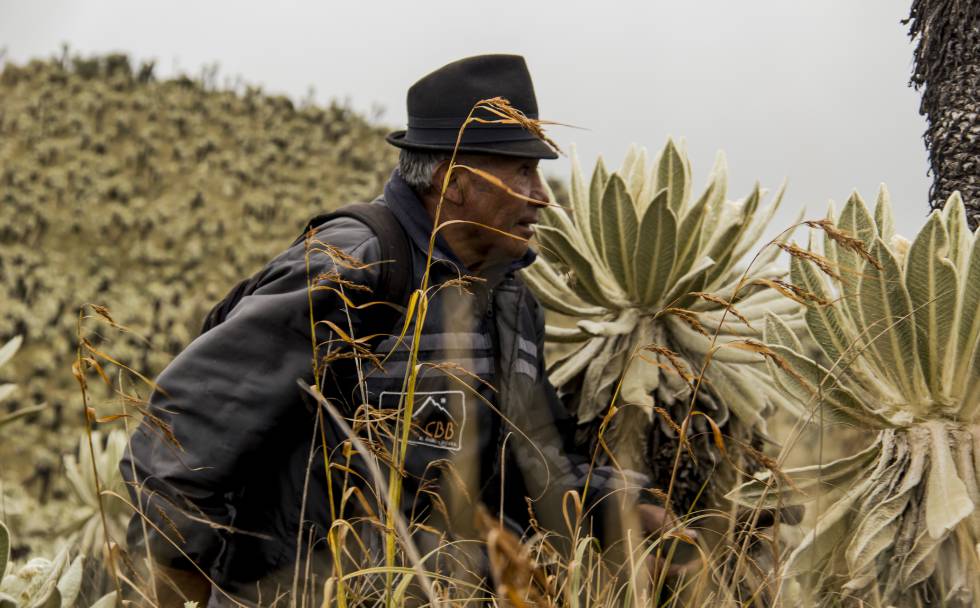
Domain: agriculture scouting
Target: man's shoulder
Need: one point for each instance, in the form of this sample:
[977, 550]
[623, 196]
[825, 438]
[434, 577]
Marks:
[342, 233]
[335, 237]
[341, 246]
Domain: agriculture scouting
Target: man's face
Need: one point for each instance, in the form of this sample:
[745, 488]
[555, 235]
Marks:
[496, 209]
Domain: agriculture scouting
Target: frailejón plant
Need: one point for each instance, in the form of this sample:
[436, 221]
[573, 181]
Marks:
[86, 528]
[646, 270]
[42, 583]
[898, 325]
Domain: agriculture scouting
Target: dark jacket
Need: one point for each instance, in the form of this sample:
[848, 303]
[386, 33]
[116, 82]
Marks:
[226, 487]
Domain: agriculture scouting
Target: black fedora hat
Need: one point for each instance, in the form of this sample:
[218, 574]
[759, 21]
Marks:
[439, 103]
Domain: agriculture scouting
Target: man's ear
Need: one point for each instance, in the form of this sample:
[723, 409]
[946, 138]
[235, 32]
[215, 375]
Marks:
[454, 193]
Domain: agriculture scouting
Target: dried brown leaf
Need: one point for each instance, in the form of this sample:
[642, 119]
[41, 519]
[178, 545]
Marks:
[715, 431]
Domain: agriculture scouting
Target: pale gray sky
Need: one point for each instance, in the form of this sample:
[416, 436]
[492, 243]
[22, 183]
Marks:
[814, 92]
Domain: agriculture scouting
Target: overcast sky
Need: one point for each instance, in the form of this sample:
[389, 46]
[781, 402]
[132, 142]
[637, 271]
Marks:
[813, 92]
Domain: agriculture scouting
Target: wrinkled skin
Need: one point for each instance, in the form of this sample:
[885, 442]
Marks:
[495, 225]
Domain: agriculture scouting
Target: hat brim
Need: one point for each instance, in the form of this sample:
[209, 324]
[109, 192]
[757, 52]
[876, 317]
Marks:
[525, 148]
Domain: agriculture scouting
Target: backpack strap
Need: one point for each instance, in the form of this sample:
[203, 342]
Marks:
[395, 274]
[396, 270]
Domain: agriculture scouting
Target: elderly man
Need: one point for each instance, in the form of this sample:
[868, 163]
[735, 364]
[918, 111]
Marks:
[229, 471]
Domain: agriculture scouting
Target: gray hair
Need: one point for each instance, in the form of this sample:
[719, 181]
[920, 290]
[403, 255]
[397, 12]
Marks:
[417, 167]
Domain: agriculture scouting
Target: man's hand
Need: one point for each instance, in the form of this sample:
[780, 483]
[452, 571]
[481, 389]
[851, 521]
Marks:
[656, 520]
[174, 587]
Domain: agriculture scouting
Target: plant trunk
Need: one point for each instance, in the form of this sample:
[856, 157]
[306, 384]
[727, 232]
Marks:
[947, 69]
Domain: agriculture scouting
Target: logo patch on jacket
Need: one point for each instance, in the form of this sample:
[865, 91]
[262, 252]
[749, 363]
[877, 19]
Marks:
[438, 417]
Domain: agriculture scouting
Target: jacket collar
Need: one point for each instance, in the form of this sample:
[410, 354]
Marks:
[412, 215]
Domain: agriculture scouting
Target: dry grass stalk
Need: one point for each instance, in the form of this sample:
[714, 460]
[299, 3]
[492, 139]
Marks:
[464, 283]
[769, 464]
[792, 291]
[338, 256]
[825, 265]
[677, 364]
[496, 181]
[844, 239]
[501, 107]
[688, 316]
[758, 347]
[516, 577]
[333, 277]
[665, 415]
[723, 302]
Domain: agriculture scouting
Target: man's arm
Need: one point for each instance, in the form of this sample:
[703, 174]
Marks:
[223, 398]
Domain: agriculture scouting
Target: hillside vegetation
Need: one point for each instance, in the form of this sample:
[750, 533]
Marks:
[151, 197]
